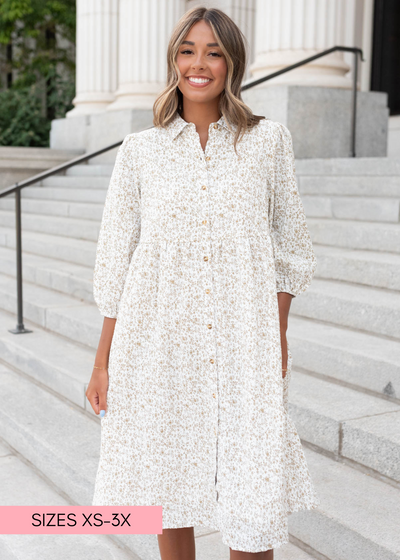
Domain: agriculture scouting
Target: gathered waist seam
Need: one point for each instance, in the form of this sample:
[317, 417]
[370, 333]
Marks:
[205, 241]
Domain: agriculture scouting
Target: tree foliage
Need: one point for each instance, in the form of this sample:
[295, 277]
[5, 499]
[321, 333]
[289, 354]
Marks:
[21, 120]
[40, 38]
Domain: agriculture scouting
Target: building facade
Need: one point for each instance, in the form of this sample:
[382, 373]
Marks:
[121, 63]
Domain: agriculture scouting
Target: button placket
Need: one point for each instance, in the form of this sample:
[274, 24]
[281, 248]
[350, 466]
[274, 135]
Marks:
[207, 258]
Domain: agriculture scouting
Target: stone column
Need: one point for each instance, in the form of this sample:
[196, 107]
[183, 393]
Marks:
[96, 56]
[144, 32]
[288, 31]
[243, 13]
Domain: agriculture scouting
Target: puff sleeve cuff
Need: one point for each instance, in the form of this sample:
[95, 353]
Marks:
[295, 260]
[119, 231]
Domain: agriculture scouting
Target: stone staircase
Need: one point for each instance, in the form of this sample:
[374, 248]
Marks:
[344, 334]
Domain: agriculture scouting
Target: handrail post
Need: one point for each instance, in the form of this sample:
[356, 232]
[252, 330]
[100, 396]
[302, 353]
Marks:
[354, 106]
[20, 325]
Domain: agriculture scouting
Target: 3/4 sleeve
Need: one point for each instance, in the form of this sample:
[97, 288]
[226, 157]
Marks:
[295, 260]
[119, 230]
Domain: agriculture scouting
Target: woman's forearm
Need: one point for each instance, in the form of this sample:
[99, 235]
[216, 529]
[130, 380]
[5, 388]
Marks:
[284, 301]
[103, 349]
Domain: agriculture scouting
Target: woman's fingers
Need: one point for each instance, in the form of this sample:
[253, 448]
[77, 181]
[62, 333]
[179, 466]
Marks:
[93, 398]
[96, 392]
[103, 403]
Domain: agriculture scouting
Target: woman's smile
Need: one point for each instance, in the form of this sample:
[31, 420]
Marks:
[197, 82]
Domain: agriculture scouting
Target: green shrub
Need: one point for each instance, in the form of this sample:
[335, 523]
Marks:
[40, 69]
[21, 120]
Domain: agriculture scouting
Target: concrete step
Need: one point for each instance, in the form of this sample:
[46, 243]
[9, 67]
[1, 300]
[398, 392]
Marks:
[73, 209]
[348, 186]
[358, 518]
[78, 251]
[64, 444]
[95, 196]
[368, 309]
[90, 169]
[54, 225]
[70, 317]
[362, 208]
[45, 157]
[371, 268]
[354, 234]
[42, 355]
[56, 437]
[76, 182]
[72, 279]
[23, 485]
[362, 361]
[348, 167]
[347, 423]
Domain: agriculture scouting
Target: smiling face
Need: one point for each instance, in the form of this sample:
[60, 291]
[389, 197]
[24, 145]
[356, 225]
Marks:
[200, 56]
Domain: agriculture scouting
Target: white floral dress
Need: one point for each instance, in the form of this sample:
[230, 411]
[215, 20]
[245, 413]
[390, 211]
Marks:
[193, 247]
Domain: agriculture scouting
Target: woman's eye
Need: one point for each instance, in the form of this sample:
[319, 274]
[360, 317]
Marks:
[187, 51]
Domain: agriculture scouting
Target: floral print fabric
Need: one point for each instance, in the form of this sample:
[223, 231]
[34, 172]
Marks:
[193, 247]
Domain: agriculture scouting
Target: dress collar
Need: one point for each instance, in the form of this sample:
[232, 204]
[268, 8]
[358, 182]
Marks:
[177, 124]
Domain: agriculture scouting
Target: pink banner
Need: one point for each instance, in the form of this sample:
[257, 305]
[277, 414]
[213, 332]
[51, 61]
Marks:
[80, 520]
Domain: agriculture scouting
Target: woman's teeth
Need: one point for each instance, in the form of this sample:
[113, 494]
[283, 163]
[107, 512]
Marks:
[199, 80]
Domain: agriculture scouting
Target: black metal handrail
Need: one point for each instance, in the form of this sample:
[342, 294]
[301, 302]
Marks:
[20, 328]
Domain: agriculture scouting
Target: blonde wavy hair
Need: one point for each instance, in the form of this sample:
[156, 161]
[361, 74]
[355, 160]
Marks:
[232, 43]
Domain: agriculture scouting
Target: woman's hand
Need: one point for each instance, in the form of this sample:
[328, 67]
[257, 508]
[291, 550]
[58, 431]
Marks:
[96, 392]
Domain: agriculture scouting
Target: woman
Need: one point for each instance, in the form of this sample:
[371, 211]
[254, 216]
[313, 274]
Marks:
[203, 243]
